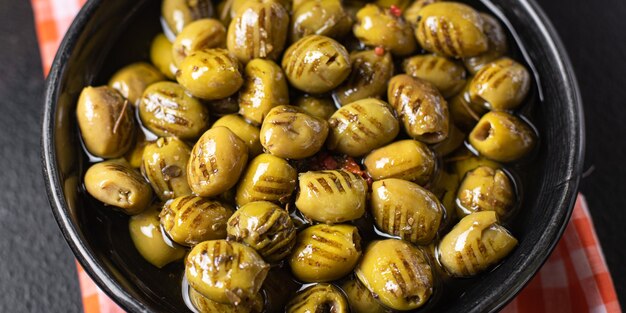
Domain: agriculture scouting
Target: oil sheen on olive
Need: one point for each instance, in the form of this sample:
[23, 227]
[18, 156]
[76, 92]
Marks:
[405, 159]
[105, 121]
[497, 44]
[164, 164]
[154, 247]
[376, 26]
[161, 56]
[320, 107]
[369, 77]
[325, 253]
[446, 75]
[244, 130]
[320, 17]
[485, 189]
[362, 126]
[411, 13]
[501, 85]
[360, 298]
[210, 74]
[333, 196]
[264, 88]
[319, 298]
[267, 178]
[421, 108]
[201, 34]
[133, 79]
[502, 137]
[179, 13]
[206, 305]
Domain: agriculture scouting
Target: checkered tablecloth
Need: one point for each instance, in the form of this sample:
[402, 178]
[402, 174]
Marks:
[574, 279]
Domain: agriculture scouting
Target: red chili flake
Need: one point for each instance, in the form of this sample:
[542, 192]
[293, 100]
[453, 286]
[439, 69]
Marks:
[395, 10]
[329, 163]
[380, 51]
[351, 166]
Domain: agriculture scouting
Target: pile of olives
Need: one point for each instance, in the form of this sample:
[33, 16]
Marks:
[362, 148]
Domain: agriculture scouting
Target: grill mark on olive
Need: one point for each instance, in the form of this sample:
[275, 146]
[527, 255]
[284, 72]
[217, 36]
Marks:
[321, 253]
[445, 32]
[327, 241]
[409, 267]
[315, 263]
[322, 181]
[275, 179]
[496, 82]
[435, 39]
[269, 190]
[336, 181]
[397, 276]
[311, 186]
[347, 178]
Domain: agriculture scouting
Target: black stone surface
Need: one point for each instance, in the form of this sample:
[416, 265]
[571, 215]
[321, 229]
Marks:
[37, 271]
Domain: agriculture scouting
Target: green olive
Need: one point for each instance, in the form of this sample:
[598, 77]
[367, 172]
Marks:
[116, 183]
[265, 227]
[133, 79]
[179, 13]
[224, 11]
[445, 188]
[201, 34]
[404, 209]
[398, 273]
[485, 189]
[161, 56]
[361, 300]
[369, 77]
[400, 4]
[106, 122]
[145, 231]
[376, 26]
[320, 107]
[245, 131]
[319, 298]
[206, 305]
[502, 137]
[465, 161]
[264, 88]
[316, 64]
[259, 30]
[189, 220]
[217, 160]
[134, 155]
[226, 271]
[411, 13]
[405, 159]
[289, 133]
[446, 75]
[164, 164]
[362, 126]
[455, 139]
[420, 106]
[501, 85]
[267, 178]
[320, 17]
[464, 113]
[239, 4]
[210, 74]
[496, 39]
[167, 109]
[452, 29]
[331, 196]
[324, 253]
[476, 243]
[228, 105]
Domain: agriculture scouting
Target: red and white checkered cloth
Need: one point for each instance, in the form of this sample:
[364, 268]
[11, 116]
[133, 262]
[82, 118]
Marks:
[574, 279]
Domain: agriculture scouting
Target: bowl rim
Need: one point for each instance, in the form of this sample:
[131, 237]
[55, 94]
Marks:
[493, 302]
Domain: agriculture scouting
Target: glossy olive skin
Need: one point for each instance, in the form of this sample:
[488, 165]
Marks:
[360, 299]
[201, 34]
[369, 77]
[206, 305]
[476, 243]
[228, 105]
[398, 273]
[316, 64]
[405, 159]
[259, 30]
[405, 209]
[116, 183]
[320, 107]
[134, 155]
[189, 220]
[400, 4]
[179, 13]
[244, 130]
[217, 160]
[501, 85]
[497, 42]
[421, 107]
[463, 112]
[467, 161]
[226, 271]
[376, 26]
[210, 74]
[164, 164]
[411, 13]
[331, 196]
[161, 56]
[264, 88]
[319, 298]
[133, 79]
[320, 17]
[452, 29]
[502, 137]
[485, 189]
[454, 140]
[265, 227]
[289, 133]
[446, 75]
[324, 253]
[445, 188]
[154, 247]
[167, 109]
[106, 122]
[267, 178]
[362, 126]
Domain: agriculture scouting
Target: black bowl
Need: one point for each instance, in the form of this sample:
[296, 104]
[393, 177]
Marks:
[109, 34]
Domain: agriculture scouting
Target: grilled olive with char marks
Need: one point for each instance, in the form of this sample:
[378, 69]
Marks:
[324, 253]
[264, 88]
[369, 77]
[245, 131]
[398, 273]
[485, 189]
[362, 126]
[501, 85]
[267, 178]
[133, 79]
[405, 159]
[411, 14]
[474, 244]
[201, 34]
[164, 164]
[376, 26]
[106, 122]
[161, 56]
[206, 305]
[320, 17]
[331, 196]
[420, 106]
[319, 298]
[447, 76]
[361, 300]
[210, 74]
[497, 44]
[320, 107]
[502, 137]
[179, 13]
[145, 231]
[226, 271]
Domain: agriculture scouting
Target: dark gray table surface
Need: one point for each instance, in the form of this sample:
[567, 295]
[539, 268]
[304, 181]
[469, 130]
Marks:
[37, 272]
